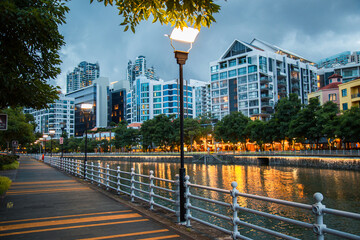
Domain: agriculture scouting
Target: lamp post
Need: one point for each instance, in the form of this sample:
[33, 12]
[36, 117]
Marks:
[51, 133]
[86, 109]
[62, 136]
[186, 35]
[44, 137]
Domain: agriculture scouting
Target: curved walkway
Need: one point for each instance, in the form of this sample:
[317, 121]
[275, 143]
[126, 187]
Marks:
[44, 203]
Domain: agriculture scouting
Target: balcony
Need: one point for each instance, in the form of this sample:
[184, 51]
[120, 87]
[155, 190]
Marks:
[295, 69]
[267, 104]
[282, 91]
[264, 80]
[266, 87]
[281, 75]
[266, 96]
[295, 79]
[356, 95]
[295, 86]
[281, 83]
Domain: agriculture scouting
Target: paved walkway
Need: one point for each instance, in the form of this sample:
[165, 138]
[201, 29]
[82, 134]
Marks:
[44, 203]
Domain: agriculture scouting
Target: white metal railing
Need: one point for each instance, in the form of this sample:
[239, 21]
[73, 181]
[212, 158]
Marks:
[320, 152]
[148, 188]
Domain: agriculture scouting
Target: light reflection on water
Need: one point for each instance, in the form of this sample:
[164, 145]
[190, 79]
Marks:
[340, 189]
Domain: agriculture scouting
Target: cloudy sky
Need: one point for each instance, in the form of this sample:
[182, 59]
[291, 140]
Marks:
[314, 29]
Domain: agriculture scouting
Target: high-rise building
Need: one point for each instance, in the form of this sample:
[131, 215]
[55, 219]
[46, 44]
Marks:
[60, 112]
[339, 59]
[138, 68]
[202, 99]
[117, 102]
[95, 94]
[251, 78]
[82, 76]
[149, 98]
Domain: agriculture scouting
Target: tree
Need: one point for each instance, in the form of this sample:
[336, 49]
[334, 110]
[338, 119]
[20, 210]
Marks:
[348, 128]
[159, 131]
[256, 132]
[29, 46]
[305, 124]
[125, 137]
[18, 128]
[285, 110]
[328, 119]
[178, 13]
[232, 128]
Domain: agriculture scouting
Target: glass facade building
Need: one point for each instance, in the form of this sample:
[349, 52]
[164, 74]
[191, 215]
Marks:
[251, 78]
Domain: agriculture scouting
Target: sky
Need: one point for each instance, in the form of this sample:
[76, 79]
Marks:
[314, 29]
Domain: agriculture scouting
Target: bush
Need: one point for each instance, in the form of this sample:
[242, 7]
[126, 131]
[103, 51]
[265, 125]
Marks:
[11, 166]
[5, 183]
[7, 160]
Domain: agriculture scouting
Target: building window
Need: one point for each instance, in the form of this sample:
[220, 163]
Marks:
[157, 87]
[242, 80]
[214, 69]
[157, 94]
[223, 75]
[214, 77]
[345, 106]
[252, 78]
[242, 60]
[223, 65]
[253, 95]
[242, 71]
[157, 100]
[157, 111]
[344, 92]
[158, 105]
[332, 97]
[215, 85]
[223, 84]
[232, 73]
[145, 87]
[232, 63]
[252, 68]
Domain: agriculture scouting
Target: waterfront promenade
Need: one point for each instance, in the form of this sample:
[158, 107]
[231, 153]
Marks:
[44, 203]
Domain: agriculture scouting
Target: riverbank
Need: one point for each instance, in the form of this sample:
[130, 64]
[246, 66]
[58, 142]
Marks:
[326, 162]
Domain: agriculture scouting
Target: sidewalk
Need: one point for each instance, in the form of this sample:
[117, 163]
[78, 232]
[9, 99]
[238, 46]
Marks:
[44, 203]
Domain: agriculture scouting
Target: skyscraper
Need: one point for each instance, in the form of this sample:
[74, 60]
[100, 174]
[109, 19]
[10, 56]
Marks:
[82, 76]
[138, 68]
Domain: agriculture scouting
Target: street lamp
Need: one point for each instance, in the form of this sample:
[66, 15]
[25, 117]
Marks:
[86, 109]
[51, 133]
[186, 35]
[44, 137]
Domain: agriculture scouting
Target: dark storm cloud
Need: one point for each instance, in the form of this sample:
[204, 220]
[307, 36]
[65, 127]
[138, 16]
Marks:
[313, 29]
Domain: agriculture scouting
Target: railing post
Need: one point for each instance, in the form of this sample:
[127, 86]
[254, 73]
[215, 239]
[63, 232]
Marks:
[151, 190]
[177, 203]
[132, 186]
[107, 177]
[234, 205]
[187, 201]
[317, 209]
[118, 180]
[85, 169]
[99, 174]
[92, 172]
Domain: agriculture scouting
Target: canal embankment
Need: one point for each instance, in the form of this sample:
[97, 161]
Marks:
[326, 162]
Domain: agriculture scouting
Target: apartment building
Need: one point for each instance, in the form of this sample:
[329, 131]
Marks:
[349, 94]
[60, 114]
[252, 77]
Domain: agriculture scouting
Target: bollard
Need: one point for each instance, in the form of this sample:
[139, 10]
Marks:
[233, 193]
[107, 177]
[177, 203]
[187, 201]
[151, 190]
[118, 180]
[132, 194]
[317, 209]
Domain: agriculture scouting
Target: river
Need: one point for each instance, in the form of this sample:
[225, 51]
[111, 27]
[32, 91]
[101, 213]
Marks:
[339, 187]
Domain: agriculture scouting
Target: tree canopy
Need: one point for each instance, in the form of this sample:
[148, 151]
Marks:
[178, 13]
[29, 46]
